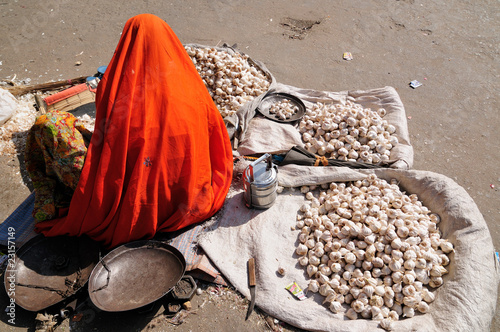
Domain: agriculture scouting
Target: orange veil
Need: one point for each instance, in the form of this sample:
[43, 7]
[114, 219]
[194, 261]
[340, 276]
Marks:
[160, 158]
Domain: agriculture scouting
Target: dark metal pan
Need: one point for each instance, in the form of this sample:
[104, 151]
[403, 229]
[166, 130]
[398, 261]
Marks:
[135, 274]
[48, 270]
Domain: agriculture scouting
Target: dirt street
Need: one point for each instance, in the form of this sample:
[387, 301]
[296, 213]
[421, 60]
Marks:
[451, 47]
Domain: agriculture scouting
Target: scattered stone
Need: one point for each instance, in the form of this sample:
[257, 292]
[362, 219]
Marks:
[187, 305]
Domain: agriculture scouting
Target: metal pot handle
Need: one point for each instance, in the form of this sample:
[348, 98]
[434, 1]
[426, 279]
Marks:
[269, 164]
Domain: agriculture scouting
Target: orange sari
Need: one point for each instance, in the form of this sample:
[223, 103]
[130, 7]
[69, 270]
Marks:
[160, 158]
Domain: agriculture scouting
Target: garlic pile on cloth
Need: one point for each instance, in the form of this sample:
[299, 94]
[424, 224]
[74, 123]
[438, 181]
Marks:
[283, 109]
[370, 246]
[348, 132]
[230, 79]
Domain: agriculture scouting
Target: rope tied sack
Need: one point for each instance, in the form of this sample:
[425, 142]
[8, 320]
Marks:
[321, 159]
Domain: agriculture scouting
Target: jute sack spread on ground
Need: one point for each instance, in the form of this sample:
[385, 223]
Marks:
[465, 302]
[261, 135]
[257, 134]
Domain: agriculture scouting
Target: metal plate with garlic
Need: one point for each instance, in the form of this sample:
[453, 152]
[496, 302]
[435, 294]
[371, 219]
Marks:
[282, 107]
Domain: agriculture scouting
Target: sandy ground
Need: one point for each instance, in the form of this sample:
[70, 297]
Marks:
[452, 47]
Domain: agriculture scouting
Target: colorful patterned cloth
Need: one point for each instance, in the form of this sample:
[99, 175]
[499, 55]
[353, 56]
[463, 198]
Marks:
[55, 154]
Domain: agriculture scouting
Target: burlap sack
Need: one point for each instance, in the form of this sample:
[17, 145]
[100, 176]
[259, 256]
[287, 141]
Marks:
[256, 134]
[465, 302]
[260, 135]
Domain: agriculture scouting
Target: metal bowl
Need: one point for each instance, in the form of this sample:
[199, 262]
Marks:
[274, 97]
[135, 274]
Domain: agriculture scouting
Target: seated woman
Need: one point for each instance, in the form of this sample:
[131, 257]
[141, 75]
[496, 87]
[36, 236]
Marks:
[159, 159]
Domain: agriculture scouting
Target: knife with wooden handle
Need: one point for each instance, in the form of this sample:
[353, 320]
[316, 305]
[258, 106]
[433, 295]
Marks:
[251, 285]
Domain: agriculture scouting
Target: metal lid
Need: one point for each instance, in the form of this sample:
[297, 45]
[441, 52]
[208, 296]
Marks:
[263, 175]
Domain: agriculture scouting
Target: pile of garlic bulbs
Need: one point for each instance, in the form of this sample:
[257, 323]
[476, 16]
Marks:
[283, 109]
[348, 132]
[372, 247]
[230, 79]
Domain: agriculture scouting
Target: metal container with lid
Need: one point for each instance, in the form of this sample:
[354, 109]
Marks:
[260, 183]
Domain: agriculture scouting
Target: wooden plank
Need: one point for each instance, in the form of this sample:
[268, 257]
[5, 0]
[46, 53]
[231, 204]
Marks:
[24, 89]
[40, 104]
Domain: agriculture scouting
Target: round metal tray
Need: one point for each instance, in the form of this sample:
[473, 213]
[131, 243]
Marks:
[135, 274]
[271, 98]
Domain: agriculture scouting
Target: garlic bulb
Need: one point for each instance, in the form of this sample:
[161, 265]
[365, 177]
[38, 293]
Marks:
[311, 270]
[438, 271]
[358, 306]
[408, 312]
[313, 286]
[351, 314]
[446, 246]
[370, 246]
[423, 307]
[325, 289]
[368, 290]
[427, 295]
[301, 250]
[350, 258]
[304, 261]
[387, 324]
[335, 307]
[367, 312]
